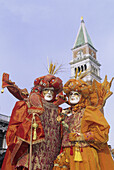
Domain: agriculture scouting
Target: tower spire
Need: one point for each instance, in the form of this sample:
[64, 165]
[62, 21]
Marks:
[84, 55]
[82, 20]
[82, 36]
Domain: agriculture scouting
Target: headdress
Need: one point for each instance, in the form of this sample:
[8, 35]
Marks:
[77, 84]
[49, 81]
[95, 94]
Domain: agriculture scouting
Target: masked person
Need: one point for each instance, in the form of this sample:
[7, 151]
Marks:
[33, 135]
[85, 129]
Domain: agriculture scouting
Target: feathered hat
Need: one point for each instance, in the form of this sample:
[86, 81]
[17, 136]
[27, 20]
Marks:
[49, 81]
[96, 94]
[77, 84]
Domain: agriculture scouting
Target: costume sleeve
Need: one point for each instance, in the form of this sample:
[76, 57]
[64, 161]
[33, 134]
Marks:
[95, 127]
[19, 113]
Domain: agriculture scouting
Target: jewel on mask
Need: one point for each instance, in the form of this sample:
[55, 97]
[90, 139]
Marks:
[41, 82]
[36, 90]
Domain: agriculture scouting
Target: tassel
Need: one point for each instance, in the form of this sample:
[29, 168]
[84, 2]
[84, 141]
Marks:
[71, 150]
[61, 150]
[34, 125]
[77, 156]
[2, 91]
[81, 150]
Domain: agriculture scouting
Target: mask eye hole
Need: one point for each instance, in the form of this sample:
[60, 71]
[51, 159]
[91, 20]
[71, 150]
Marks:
[76, 93]
[70, 93]
[46, 90]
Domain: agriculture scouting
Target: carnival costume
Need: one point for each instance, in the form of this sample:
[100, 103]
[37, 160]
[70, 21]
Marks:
[33, 135]
[85, 129]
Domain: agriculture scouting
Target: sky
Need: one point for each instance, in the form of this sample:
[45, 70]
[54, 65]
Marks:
[32, 30]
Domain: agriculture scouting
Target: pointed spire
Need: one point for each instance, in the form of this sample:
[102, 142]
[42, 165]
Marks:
[82, 36]
[82, 19]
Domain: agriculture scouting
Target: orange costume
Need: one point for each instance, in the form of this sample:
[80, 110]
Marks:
[33, 131]
[18, 135]
[85, 130]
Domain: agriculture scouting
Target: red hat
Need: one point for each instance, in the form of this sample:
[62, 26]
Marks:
[49, 81]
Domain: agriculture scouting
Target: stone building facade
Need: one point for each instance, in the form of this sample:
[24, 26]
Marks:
[4, 121]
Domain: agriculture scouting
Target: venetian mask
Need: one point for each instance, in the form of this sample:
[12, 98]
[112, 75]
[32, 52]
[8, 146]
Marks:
[74, 97]
[48, 94]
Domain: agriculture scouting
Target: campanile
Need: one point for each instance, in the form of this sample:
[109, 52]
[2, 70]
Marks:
[84, 56]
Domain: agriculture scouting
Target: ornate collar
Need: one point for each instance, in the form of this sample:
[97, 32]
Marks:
[78, 107]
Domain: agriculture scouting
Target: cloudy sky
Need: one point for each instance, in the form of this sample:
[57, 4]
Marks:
[32, 30]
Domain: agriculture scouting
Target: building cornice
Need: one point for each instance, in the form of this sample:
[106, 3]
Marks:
[85, 58]
[82, 45]
[92, 73]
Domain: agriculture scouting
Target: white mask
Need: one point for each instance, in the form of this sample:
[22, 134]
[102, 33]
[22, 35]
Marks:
[74, 97]
[48, 95]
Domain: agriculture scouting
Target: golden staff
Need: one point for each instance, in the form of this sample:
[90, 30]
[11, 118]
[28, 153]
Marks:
[30, 154]
[33, 125]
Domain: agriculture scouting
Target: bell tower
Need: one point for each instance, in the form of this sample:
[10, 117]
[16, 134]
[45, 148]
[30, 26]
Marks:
[84, 56]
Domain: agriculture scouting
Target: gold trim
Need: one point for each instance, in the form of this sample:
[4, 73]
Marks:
[31, 120]
[35, 111]
[33, 142]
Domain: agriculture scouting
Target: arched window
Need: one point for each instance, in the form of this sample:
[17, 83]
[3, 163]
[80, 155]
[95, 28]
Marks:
[94, 69]
[82, 68]
[85, 67]
[78, 69]
[96, 72]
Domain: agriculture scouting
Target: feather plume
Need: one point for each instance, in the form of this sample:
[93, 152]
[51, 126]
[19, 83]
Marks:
[76, 73]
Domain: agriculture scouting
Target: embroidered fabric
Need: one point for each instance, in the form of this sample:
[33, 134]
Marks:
[74, 123]
[46, 152]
